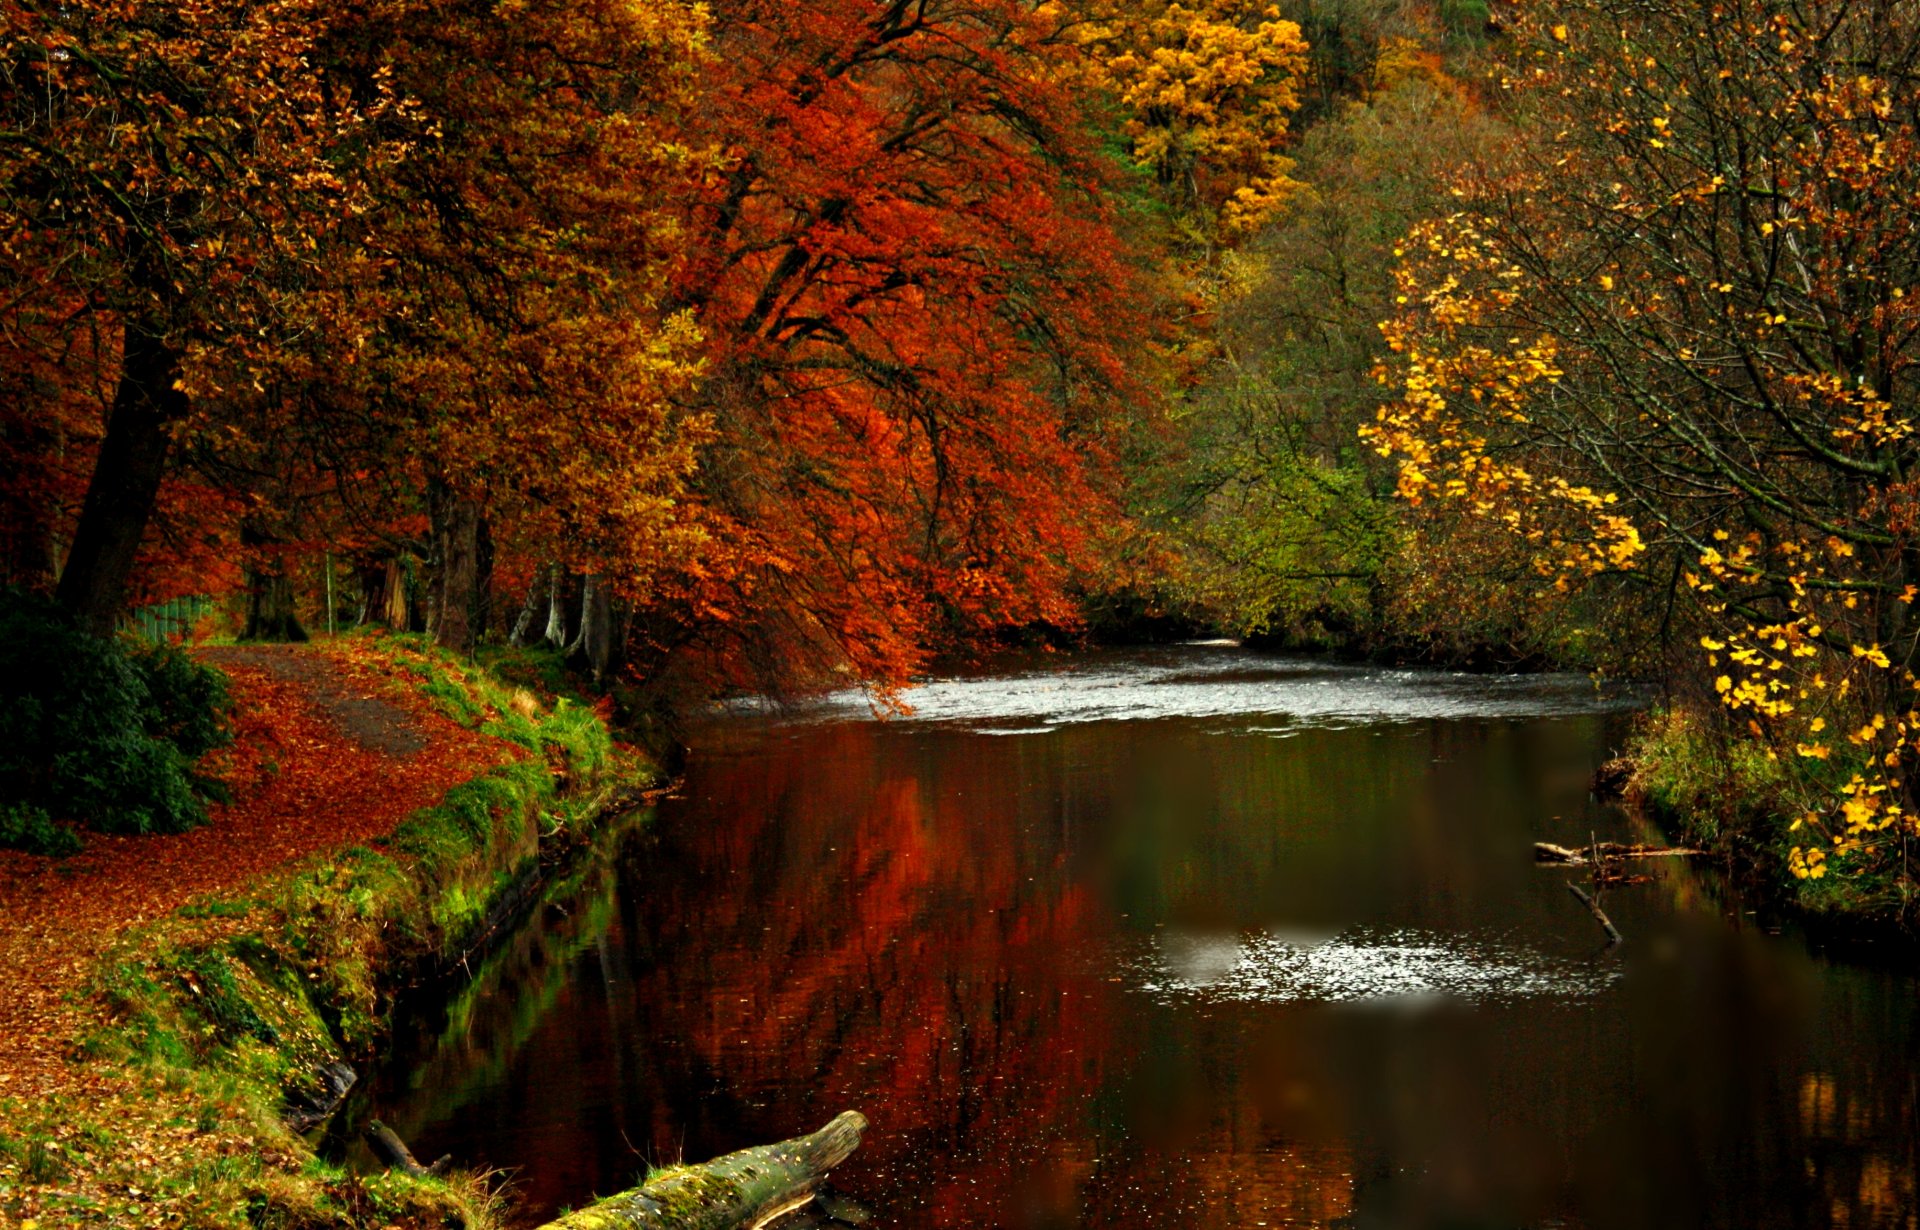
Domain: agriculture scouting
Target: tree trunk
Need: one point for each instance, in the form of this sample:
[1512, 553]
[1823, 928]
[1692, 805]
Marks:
[400, 613]
[271, 613]
[557, 609]
[383, 593]
[535, 613]
[456, 587]
[592, 648]
[125, 483]
[372, 574]
[394, 1154]
[482, 574]
[747, 1189]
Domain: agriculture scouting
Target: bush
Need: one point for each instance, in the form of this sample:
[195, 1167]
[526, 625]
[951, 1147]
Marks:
[95, 731]
[26, 827]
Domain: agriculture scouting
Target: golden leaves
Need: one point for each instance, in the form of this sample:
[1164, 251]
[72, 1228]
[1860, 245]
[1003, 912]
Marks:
[1208, 89]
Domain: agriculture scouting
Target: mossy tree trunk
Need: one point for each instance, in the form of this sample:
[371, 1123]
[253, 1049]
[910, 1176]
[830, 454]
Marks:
[741, 1190]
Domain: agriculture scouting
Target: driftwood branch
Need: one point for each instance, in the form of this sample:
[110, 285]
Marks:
[743, 1190]
[394, 1154]
[1599, 915]
[1547, 852]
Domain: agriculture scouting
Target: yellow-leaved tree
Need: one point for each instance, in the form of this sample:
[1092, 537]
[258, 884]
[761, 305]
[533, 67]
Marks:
[1673, 344]
[1206, 91]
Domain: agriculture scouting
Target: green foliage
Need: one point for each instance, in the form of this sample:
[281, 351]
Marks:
[27, 826]
[93, 731]
[1719, 789]
[186, 703]
[1289, 525]
[217, 997]
[1465, 16]
[1705, 783]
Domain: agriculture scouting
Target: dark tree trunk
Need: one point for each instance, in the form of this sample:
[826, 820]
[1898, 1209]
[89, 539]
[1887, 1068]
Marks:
[125, 483]
[271, 613]
[456, 588]
[535, 612]
[373, 591]
[482, 574]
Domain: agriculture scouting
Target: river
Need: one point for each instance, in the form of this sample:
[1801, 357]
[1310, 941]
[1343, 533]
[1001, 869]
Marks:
[1185, 937]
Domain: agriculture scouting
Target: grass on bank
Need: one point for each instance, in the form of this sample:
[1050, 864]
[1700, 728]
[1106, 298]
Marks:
[216, 1021]
[1722, 791]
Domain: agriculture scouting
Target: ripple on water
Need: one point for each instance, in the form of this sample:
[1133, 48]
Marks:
[1359, 966]
[1227, 685]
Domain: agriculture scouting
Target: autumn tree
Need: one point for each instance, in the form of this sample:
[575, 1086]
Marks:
[171, 177]
[1206, 92]
[516, 394]
[917, 314]
[1674, 342]
[1289, 525]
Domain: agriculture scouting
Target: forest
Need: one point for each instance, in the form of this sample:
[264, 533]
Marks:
[795, 344]
[666, 352]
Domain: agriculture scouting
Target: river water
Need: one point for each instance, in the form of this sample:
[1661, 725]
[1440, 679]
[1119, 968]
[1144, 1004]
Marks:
[1189, 937]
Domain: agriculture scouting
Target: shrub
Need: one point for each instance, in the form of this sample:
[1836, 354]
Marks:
[26, 827]
[94, 731]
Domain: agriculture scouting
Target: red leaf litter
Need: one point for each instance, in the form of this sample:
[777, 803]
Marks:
[327, 754]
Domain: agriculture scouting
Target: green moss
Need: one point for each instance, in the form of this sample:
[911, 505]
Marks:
[217, 998]
[213, 907]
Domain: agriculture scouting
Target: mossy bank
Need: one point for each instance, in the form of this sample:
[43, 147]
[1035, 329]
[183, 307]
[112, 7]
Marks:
[1718, 790]
[220, 1032]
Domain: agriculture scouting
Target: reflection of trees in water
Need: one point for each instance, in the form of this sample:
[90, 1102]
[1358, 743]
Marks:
[844, 924]
[918, 925]
[1860, 1136]
[848, 932]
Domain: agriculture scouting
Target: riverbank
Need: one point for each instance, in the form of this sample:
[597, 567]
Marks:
[185, 1003]
[1723, 792]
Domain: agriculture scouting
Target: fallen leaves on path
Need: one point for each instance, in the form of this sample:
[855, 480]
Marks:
[328, 753]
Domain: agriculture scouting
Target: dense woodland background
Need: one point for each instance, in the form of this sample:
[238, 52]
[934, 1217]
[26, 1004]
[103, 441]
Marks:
[783, 344]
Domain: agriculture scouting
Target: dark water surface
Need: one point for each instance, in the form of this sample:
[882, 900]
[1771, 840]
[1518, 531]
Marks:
[1190, 938]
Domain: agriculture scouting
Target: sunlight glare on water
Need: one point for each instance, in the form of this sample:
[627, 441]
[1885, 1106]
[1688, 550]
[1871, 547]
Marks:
[1362, 967]
[1219, 681]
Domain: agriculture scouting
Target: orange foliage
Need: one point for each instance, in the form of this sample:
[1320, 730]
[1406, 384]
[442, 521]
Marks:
[917, 312]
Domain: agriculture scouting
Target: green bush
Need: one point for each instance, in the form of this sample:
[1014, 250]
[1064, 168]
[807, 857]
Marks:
[187, 703]
[26, 827]
[95, 731]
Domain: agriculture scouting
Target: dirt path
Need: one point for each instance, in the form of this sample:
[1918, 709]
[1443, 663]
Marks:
[326, 754]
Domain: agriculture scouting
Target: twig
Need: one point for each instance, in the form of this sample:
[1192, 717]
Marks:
[1599, 915]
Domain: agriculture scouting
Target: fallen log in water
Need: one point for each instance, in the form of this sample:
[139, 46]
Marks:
[394, 1154]
[746, 1190]
[1547, 852]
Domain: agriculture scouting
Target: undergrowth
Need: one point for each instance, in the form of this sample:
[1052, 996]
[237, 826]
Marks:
[1718, 789]
[99, 732]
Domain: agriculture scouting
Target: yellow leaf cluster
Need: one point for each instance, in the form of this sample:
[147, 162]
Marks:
[1208, 89]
